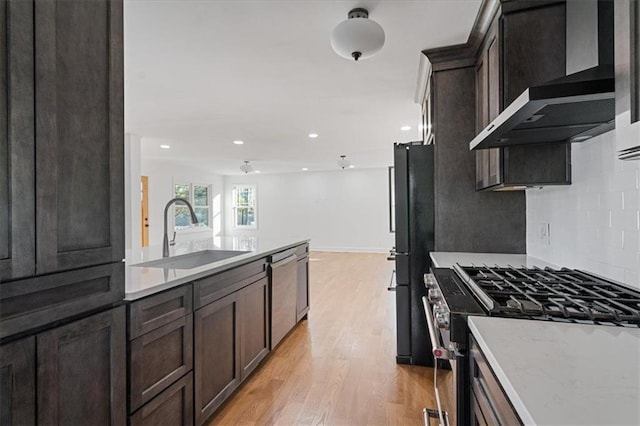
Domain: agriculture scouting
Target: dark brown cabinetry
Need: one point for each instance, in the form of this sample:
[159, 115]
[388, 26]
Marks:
[627, 71]
[161, 357]
[302, 303]
[74, 372]
[489, 403]
[80, 371]
[524, 46]
[174, 406]
[62, 158]
[254, 326]
[18, 382]
[63, 129]
[217, 354]
[231, 335]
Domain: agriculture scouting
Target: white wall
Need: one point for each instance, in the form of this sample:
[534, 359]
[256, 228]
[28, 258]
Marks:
[595, 222]
[342, 210]
[162, 175]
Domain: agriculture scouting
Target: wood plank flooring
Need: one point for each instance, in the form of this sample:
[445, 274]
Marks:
[338, 366]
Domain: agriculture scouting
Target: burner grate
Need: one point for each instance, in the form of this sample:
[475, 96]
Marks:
[559, 295]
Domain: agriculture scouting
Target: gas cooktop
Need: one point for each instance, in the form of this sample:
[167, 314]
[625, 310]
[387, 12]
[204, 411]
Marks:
[566, 295]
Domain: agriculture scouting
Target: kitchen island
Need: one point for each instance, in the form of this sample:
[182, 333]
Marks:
[145, 281]
[197, 327]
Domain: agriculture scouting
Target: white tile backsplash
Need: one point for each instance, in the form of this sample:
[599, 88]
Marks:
[595, 222]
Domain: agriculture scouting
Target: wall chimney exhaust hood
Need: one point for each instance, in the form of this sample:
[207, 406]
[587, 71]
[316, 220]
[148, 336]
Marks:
[570, 109]
[573, 108]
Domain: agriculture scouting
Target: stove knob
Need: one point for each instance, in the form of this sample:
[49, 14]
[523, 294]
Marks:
[434, 295]
[442, 320]
[430, 281]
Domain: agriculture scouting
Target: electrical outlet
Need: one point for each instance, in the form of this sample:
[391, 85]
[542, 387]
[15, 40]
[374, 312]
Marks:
[545, 234]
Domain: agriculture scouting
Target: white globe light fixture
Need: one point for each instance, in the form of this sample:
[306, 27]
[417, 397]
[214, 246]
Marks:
[358, 37]
[246, 167]
[343, 162]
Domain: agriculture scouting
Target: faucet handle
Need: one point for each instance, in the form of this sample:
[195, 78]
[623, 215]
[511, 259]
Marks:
[173, 240]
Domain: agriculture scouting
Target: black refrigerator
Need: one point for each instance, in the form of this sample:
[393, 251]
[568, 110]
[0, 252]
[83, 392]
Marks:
[413, 189]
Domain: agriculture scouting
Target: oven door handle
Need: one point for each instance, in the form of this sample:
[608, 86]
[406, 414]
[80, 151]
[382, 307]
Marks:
[437, 350]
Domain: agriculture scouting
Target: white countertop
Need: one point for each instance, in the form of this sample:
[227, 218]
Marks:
[448, 259]
[564, 374]
[144, 281]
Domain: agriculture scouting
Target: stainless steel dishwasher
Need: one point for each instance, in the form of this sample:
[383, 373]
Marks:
[284, 276]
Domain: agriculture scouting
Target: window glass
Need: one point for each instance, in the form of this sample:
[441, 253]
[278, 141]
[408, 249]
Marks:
[198, 197]
[244, 208]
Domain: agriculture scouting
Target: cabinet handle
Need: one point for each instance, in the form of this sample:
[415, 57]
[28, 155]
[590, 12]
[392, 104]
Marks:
[491, 126]
[392, 282]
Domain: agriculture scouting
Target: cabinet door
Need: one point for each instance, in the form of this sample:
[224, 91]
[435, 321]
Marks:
[627, 66]
[216, 355]
[18, 382]
[81, 379]
[79, 101]
[17, 187]
[254, 325]
[302, 305]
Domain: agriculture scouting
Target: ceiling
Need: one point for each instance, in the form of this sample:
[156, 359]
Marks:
[201, 74]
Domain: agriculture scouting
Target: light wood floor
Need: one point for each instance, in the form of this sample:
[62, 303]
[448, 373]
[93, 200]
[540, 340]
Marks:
[338, 366]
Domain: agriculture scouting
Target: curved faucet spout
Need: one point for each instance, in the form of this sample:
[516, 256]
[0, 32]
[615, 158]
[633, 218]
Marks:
[194, 219]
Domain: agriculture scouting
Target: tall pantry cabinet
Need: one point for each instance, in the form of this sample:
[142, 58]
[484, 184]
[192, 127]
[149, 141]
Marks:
[62, 212]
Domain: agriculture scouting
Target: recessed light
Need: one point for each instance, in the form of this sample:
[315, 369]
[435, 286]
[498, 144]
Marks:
[165, 146]
[405, 128]
[351, 166]
[258, 171]
[304, 169]
[238, 142]
[313, 135]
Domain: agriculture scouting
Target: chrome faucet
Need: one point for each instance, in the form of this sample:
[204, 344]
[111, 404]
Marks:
[194, 219]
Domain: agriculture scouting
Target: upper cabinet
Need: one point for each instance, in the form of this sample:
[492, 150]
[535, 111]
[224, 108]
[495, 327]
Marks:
[523, 46]
[627, 68]
[62, 125]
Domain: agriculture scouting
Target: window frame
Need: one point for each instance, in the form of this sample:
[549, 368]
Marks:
[191, 200]
[234, 206]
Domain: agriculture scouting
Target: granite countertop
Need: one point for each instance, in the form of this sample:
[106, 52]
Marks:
[564, 374]
[145, 281]
[448, 259]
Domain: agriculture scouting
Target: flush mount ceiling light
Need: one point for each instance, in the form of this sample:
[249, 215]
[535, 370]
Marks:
[246, 167]
[343, 162]
[357, 37]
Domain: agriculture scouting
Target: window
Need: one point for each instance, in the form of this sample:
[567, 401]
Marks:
[199, 197]
[244, 206]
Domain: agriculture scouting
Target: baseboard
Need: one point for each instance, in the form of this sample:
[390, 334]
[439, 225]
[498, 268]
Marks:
[350, 249]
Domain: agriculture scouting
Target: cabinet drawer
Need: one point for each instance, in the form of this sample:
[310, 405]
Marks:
[155, 311]
[215, 287]
[159, 358]
[487, 393]
[35, 302]
[174, 406]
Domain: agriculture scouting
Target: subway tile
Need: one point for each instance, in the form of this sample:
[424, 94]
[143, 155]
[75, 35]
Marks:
[631, 200]
[631, 241]
[625, 219]
[624, 181]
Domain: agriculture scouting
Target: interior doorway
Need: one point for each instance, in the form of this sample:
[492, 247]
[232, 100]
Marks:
[144, 201]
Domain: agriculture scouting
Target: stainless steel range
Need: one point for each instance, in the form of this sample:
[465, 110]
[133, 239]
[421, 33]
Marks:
[564, 295]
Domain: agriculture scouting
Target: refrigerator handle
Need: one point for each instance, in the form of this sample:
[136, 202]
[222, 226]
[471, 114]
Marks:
[392, 283]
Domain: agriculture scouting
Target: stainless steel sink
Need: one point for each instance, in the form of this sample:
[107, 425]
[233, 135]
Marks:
[191, 260]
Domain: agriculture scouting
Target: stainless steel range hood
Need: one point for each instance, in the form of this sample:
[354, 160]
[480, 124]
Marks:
[573, 108]
[570, 109]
